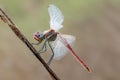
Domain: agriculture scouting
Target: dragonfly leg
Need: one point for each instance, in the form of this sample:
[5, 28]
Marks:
[51, 58]
[44, 48]
[35, 43]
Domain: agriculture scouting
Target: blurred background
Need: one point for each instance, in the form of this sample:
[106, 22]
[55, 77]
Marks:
[94, 23]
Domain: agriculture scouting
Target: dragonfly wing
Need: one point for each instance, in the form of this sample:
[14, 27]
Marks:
[56, 17]
[59, 48]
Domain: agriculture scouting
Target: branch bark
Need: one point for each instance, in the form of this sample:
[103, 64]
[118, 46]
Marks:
[11, 24]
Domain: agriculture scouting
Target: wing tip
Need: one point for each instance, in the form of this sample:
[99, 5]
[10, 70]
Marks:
[51, 5]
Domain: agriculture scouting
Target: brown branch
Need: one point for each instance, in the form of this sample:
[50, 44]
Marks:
[10, 23]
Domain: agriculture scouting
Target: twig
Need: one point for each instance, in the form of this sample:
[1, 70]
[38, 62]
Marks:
[10, 23]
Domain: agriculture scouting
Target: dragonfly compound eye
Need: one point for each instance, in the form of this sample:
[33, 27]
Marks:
[41, 35]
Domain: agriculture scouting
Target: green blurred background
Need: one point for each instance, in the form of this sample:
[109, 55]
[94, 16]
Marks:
[95, 23]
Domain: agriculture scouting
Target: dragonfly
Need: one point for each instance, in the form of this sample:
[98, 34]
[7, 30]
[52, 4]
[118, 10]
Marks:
[59, 43]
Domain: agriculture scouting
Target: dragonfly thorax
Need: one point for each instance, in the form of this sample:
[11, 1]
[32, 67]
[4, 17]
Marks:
[50, 34]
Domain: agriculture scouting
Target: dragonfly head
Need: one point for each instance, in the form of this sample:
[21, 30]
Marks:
[38, 36]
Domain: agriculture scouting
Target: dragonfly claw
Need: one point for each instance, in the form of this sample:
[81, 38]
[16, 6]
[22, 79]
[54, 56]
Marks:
[35, 43]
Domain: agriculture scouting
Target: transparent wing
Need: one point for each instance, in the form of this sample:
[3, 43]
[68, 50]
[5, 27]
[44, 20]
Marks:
[56, 17]
[59, 48]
